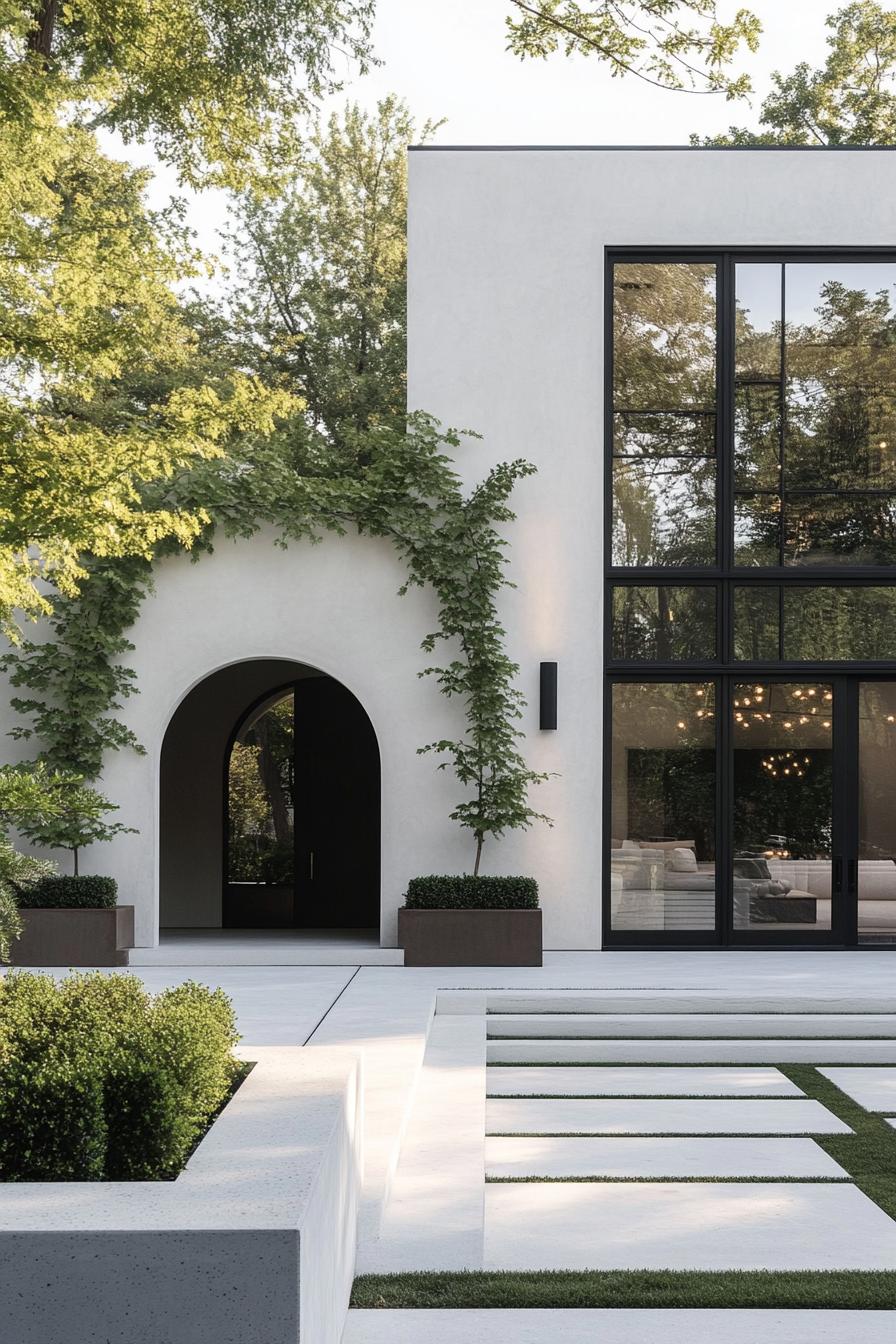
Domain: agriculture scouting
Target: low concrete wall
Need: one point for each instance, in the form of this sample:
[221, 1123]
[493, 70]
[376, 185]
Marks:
[254, 1243]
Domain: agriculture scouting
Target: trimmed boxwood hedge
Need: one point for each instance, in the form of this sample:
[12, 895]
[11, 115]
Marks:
[67, 892]
[472, 893]
[101, 1081]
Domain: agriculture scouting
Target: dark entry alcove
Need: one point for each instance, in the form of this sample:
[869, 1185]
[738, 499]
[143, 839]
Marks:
[270, 804]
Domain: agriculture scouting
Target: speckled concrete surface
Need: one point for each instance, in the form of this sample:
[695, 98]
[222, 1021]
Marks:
[256, 1235]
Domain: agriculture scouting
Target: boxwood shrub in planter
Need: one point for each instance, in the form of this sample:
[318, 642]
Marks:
[67, 892]
[70, 920]
[102, 1081]
[471, 921]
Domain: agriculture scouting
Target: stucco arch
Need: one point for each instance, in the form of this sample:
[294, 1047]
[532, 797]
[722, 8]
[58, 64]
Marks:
[332, 607]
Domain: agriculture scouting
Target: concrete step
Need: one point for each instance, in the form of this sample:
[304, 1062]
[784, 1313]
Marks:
[617, 1326]
[691, 1052]
[678, 1001]
[691, 1024]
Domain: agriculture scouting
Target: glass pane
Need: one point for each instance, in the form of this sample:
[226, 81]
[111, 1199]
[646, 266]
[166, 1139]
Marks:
[758, 320]
[662, 845]
[782, 814]
[756, 621]
[830, 624]
[840, 530]
[839, 439]
[636, 434]
[664, 512]
[757, 437]
[841, 365]
[664, 336]
[877, 812]
[260, 798]
[664, 624]
[757, 522]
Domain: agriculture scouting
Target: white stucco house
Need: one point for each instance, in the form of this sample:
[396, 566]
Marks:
[697, 350]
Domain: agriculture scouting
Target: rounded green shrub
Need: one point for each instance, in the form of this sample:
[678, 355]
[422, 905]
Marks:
[101, 1081]
[67, 892]
[472, 893]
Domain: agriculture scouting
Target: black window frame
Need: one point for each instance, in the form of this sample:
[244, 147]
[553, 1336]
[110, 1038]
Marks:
[724, 671]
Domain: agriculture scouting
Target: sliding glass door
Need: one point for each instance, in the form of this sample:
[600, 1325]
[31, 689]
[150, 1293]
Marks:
[751, 812]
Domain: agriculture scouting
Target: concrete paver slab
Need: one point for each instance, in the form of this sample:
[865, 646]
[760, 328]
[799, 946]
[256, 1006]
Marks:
[875, 1089]
[635, 1081]
[606, 1115]
[653, 1158]
[685, 1226]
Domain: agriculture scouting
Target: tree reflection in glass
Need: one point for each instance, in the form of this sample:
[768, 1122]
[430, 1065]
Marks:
[664, 423]
[260, 797]
[664, 624]
[841, 376]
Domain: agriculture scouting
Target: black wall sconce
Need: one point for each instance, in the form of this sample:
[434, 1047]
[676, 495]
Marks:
[547, 702]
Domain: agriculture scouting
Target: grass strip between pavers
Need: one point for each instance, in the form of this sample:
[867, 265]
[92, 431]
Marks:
[869, 1153]
[846, 1289]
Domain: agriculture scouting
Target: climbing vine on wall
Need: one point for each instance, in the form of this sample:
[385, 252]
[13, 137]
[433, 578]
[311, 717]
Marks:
[406, 490]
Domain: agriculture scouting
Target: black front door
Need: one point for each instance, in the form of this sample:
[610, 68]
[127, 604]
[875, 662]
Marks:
[302, 812]
[337, 788]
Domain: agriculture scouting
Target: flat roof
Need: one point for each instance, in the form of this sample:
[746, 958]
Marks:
[675, 149]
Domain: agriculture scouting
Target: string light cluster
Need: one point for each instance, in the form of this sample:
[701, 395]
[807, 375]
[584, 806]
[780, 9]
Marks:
[786, 763]
[752, 708]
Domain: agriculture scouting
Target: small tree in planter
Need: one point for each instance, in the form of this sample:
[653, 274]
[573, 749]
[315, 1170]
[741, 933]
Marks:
[56, 809]
[477, 920]
[62, 920]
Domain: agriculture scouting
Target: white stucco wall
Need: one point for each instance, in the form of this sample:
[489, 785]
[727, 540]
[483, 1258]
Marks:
[506, 336]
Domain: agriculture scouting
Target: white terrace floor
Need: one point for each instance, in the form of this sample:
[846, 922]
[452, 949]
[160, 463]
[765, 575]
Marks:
[651, 1075]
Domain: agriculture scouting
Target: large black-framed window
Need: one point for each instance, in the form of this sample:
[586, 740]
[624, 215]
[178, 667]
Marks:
[750, 539]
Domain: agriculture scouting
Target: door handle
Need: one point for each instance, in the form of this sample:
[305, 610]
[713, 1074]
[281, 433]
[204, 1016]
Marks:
[311, 865]
[837, 879]
[852, 877]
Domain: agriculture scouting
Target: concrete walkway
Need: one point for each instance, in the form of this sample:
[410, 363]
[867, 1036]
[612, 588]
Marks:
[597, 1165]
[621, 1009]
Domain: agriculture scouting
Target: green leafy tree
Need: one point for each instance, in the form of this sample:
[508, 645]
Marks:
[218, 87]
[322, 271]
[89, 276]
[849, 100]
[673, 44]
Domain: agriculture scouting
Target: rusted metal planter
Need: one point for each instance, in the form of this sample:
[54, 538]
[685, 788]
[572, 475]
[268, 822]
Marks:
[470, 937]
[54, 937]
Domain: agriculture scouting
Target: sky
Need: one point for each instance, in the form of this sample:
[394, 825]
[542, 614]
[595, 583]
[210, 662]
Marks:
[448, 59]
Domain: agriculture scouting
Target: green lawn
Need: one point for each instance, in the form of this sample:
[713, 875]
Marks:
[628, 1288]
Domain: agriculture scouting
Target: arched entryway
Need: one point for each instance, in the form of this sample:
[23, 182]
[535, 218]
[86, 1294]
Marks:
[270, 804]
